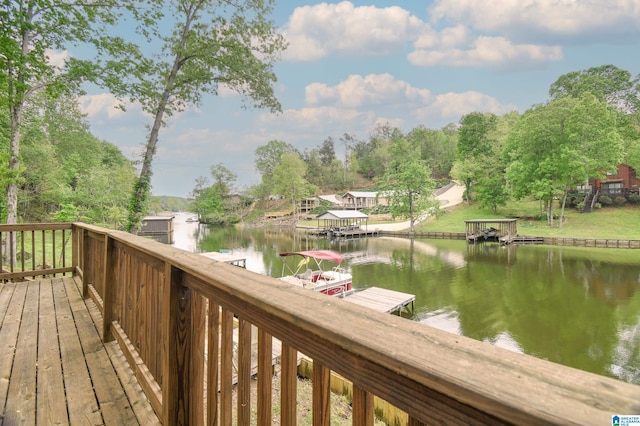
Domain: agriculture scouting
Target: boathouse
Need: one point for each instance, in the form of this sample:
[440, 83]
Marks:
[342, 223]
[497, 230]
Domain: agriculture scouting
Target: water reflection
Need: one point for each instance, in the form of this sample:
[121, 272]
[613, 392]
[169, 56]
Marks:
[578, 307]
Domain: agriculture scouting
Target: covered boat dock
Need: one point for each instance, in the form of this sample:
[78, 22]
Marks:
[343, 224]
[497, 230]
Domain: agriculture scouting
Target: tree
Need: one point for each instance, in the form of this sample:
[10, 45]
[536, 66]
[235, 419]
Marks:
[619, 90]
[327, 152]
[267, 158]
[408, 183]
[288, 179]
[476, 146]
[437, 148]
[212, 44]
[607, 83]
[223, 179]
[29, 30]
[558, 145]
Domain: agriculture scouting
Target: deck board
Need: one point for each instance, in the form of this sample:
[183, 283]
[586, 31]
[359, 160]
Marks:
[81, 400]
[21, 399]
[51, 408]
[54, 368]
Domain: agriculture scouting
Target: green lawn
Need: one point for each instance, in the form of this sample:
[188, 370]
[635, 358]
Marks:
[610, 222]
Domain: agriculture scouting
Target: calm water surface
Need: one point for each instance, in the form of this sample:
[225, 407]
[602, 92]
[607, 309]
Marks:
[577, 307]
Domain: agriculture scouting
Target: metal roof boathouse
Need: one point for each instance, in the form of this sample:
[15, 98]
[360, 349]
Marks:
[344, 223]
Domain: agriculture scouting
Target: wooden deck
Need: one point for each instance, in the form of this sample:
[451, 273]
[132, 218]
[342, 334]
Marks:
[54, 368]
[382, 300]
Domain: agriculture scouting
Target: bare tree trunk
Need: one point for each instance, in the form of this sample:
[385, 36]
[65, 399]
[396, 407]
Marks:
[14, 170]
[411, 218]
[143, 185]
[564, 201]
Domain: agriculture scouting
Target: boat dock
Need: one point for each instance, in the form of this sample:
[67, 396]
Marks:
[226, 258]
[383, 300]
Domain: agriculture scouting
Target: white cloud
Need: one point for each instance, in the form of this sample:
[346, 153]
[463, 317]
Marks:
[373, 89]
[358, 103]
[341, 28]
[104, 104]
[320, 118]
[57, 58]
[487, 51]
[323, 30]
[452, 106]
[536, 20]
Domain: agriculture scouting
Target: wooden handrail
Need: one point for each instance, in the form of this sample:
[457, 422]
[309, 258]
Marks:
[163, 299]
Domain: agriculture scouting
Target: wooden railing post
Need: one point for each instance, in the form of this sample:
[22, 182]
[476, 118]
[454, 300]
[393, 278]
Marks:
[86, 261]
[75, 246]
[107, 297]
[183, 317]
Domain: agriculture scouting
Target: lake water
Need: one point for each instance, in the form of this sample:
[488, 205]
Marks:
[575, 306]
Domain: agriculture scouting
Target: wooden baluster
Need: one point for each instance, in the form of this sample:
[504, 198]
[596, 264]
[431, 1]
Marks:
[363, 408]
[244, 373]
[265, 377]
[321, 395]
[226, 368]
[213, 361]
[288, 385]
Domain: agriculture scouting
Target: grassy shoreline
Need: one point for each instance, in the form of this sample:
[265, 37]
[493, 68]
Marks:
[611, 222]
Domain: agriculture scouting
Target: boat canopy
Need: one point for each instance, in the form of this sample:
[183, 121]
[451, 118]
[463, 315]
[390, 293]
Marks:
[316, 254]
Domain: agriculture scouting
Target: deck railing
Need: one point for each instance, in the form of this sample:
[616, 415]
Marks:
[30, 250]
[173, 312]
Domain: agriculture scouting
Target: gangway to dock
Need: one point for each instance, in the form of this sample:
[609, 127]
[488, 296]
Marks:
[383, 300]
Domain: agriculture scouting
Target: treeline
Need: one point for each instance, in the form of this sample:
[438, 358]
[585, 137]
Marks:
[66, 173]
[589, 125]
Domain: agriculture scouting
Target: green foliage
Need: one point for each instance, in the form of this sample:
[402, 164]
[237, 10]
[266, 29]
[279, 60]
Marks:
[407, 182]
[605, 200]
[288, 178]
[211, 45]
[607, 83]
[634, 198]
[64, 165]
[619, 200]
[267, 158]
[558, 145]
[167, 203]
[478, 158]
[29, 30]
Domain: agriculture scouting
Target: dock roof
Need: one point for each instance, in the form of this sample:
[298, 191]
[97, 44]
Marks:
[342, 214]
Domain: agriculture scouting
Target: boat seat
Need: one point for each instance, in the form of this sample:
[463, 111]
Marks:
[308, 274]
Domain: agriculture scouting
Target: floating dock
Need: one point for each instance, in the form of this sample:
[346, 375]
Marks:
[226, 258]
[383, 300]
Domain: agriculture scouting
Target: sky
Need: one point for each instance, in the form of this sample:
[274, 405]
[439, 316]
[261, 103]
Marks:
[353, 65]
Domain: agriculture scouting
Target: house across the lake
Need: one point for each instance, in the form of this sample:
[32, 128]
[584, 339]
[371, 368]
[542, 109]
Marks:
[617, 181]
[621, 181]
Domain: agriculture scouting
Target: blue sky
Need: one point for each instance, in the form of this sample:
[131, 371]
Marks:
[353, 65]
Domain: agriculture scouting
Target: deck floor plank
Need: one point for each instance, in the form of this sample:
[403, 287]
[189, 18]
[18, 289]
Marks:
[139, 402]
[54, 368]
[113, 402]
[21, 398]
[52, 409]
[81, 400]
[9, 326]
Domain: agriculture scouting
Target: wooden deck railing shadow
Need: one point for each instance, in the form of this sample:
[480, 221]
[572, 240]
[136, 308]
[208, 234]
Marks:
[172, 313]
